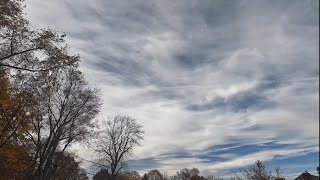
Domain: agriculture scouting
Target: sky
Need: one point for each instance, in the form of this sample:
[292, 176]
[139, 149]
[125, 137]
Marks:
[216, 84]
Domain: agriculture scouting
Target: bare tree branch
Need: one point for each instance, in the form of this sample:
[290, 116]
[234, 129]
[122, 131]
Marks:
[117, 140]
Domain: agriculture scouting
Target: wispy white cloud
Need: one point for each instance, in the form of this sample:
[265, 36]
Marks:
[199, 74]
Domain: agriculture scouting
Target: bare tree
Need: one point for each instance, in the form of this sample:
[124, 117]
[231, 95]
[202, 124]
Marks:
[186, 174]
[220, 178]
[278, 174]
[132, 175]
[63, 114]
[214, 178]
[258, 172]
[120, 134]
[194, 172]
[165, 176]
[155, 175]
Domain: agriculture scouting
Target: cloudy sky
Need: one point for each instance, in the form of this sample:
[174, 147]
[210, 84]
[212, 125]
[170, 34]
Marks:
[216, 84]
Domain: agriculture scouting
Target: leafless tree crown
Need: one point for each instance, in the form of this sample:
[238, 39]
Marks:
[120, 134]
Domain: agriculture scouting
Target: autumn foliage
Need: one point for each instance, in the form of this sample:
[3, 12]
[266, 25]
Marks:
[14, 123]
[45, 103]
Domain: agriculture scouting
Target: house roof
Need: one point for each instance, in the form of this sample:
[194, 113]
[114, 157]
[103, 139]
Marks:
[307, 176]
